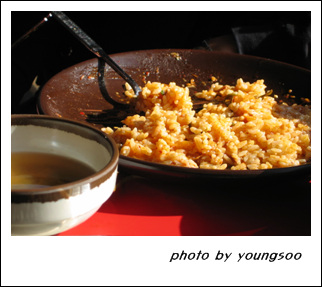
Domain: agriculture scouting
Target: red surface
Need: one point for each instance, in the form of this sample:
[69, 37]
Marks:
[144, 207]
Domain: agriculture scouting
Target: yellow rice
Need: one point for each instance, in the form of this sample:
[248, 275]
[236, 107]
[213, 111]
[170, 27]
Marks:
[251, 131]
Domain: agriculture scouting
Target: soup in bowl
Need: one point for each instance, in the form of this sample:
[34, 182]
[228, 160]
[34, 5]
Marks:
[62, 171]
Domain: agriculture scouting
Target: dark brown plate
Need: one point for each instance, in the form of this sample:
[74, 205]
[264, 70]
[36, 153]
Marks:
[77, 88]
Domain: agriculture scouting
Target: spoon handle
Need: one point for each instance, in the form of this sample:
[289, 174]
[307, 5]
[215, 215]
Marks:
[93, 47]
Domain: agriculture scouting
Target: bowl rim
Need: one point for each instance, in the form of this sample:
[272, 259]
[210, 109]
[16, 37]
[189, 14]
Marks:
[107, 170]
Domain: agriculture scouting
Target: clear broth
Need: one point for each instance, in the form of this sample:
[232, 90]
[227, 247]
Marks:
[31, 170]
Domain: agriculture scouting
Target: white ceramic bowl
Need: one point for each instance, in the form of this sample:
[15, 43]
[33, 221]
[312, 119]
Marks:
[51, 210]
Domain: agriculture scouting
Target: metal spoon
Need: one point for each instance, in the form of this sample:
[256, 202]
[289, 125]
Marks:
[91, 45]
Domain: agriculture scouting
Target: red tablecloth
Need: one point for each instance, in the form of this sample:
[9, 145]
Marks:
[147, 207]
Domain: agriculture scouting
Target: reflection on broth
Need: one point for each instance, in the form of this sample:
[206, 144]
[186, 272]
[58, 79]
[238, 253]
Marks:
[30, 170]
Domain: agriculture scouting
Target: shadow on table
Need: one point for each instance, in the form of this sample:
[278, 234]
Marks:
[212, 209]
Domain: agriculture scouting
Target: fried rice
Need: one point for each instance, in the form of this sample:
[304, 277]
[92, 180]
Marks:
[240, 128]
